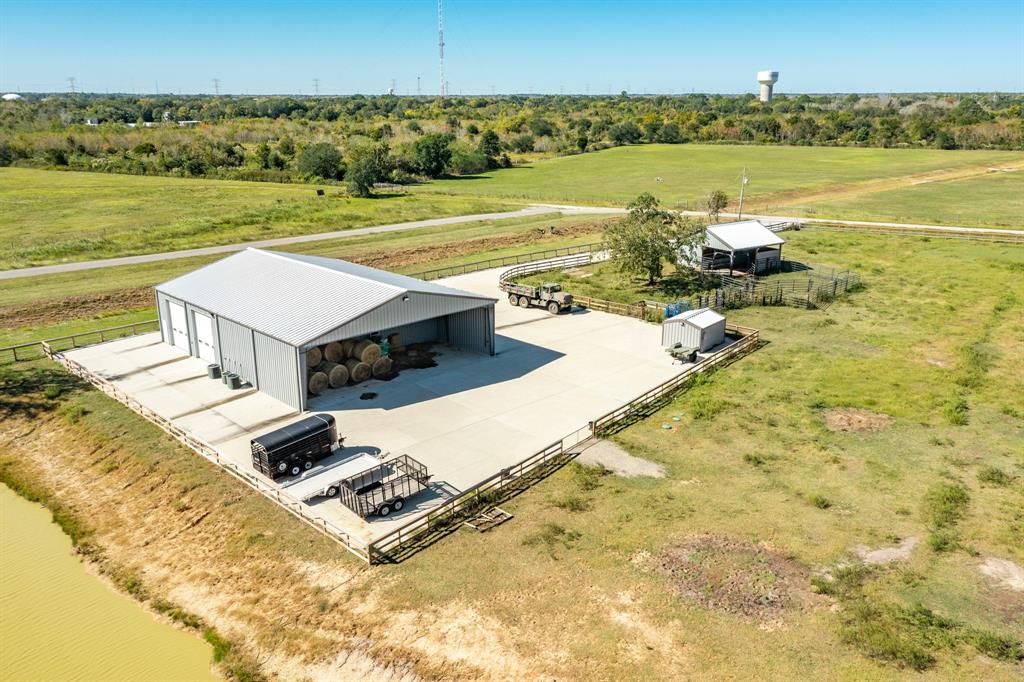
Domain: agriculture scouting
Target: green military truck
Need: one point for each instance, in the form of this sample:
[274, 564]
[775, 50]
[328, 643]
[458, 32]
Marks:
[548, 295]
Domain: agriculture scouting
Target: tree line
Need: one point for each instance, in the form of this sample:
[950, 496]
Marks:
[365, 140]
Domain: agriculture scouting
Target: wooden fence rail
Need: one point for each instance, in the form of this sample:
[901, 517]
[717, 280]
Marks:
[35, 350]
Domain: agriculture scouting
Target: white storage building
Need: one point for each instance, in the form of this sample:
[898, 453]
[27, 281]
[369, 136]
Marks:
[257, 313]
[702, 329]
[743, 245]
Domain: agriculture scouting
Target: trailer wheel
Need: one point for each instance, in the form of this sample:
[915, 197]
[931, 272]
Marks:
[524, 302]
[332, 491]
[397, 504]
[513, 300]
[307, 465]
[296, 470]
[553, 308]
[384, 510]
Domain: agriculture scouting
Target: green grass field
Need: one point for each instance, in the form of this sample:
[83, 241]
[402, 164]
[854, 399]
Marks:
[49, 217]
[993, 200]
[571, 586]
[688, 172]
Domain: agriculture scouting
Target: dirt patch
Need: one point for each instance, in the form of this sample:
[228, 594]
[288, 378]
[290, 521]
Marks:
[887, 555]
[609, 455]
[736, 576]
[1004, 572]
[74, 307]
[854, 419]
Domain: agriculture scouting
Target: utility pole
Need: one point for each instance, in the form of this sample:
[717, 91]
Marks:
[440, 45]
[71, 84]
[316, 87]
[216, 86]
[743, 185]
[417, 86]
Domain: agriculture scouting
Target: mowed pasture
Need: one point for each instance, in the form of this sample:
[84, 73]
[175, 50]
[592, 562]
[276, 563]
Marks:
[681, 175]
[844, 431]
[50, 217]
[995, 199]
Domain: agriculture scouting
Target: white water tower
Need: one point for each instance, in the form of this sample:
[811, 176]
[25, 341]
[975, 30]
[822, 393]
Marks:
[767, 79]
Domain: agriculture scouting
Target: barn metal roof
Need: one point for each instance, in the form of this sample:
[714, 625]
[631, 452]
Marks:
[297, 298]
[702, 318]
[742, 235]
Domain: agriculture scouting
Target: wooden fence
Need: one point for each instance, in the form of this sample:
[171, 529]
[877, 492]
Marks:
[501, 261]
[35, 350]
[508, 482]
[292, 505]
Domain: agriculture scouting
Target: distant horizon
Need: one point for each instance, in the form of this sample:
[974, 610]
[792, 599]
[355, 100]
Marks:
[455, 95]
[308, 47]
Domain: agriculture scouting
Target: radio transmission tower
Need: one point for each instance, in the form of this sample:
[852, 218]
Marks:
[440, 45]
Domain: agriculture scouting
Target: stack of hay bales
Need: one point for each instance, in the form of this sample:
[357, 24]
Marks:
[337, 363]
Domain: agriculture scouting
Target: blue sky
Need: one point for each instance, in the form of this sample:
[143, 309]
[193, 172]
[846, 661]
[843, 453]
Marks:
[512, 46]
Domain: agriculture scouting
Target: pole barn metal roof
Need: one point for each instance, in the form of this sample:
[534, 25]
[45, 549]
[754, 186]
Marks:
[741, 236]
[297, 298]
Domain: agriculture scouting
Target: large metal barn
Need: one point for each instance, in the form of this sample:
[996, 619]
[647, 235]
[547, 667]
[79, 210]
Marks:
[257, 313]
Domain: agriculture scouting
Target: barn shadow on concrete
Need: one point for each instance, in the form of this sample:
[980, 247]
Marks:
[456, 372]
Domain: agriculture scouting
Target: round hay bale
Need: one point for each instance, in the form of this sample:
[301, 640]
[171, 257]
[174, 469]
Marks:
[333, 352]
[382, 367]
[346, 348]
[367, 351]
[317, 383]
[337, 375]
[313, 357]
[358, 370]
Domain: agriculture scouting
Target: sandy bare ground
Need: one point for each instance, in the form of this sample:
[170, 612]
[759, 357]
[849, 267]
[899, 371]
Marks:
[887, 555]
[321, 619]
[609, 455]
[853, 419]
[1004, 572]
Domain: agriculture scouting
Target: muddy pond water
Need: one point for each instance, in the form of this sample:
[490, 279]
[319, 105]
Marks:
[58, 622]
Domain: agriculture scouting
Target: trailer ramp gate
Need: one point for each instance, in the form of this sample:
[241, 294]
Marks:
[398, 478]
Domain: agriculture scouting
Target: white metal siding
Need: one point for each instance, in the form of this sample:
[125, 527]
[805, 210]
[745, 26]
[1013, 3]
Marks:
[420, 332]
[681, 331]
[236, 350]
[473, 330]
[278, 370]
[713, 335]
[398, 313]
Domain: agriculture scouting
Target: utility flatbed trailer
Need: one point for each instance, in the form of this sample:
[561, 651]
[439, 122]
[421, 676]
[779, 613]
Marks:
[385, 488]
[327, 483]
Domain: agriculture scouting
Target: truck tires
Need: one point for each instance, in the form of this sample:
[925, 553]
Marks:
[295, 470]
[524, 302]
[307, 465]
[282, 467]
[553, 308]
[332, 491]
[513, 300]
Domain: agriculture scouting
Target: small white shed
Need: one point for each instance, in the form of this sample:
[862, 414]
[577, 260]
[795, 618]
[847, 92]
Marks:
[702, 329]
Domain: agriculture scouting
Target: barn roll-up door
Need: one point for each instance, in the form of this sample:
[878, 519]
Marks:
[204, 337]
[179, 325]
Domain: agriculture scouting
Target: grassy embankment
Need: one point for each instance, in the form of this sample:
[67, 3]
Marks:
[781, 180]
[921, 367]
[51, 217]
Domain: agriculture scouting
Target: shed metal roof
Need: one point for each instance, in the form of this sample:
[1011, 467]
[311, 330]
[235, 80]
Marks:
[742, 235]
[297, 298]
[702, 318]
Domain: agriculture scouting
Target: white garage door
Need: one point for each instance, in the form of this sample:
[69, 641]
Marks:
[204, 337]
[179, 328]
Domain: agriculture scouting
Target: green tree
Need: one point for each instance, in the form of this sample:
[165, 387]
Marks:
[582, 142]
[490, 144]
[626, 132]
[432, 153]
[367, 164]
[321, 160]
[649, 236]
[714, 203]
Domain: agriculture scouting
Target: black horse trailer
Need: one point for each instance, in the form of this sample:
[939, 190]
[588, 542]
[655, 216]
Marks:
[384, 488]
[294, 448]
